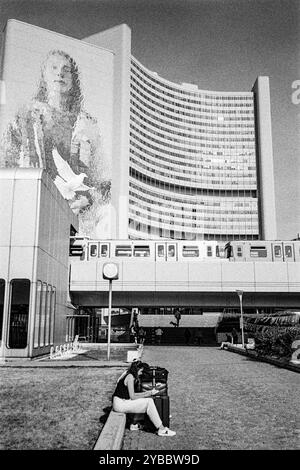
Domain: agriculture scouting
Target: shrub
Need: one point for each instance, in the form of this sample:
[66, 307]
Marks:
[276, 341]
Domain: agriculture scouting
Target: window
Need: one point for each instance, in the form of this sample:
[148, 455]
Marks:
[277, 251]
[258, 252]
[48, 314]
[93, 250]
[190, 251]
[171, 251]
[123, 250]
[19, 312]
[288, 251]
[142, 250]
[209, 251]
[104, 251]
[52, 318]
[37, 318]
[2, 292]
[239, 251]
[43, 314]
[160, 251]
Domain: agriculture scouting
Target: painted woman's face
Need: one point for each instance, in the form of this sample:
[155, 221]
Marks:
[57, 74]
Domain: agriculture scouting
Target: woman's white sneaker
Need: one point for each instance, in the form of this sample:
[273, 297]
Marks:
[166, 432]
[134, 427]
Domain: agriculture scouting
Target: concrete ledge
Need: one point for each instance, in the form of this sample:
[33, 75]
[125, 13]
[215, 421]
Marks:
[253, 355]
[111, 436]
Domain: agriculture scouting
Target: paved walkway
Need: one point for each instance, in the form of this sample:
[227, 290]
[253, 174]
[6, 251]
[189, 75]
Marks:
[222, 400]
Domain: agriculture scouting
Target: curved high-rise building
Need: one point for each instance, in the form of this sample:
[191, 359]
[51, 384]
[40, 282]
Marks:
[167, 160]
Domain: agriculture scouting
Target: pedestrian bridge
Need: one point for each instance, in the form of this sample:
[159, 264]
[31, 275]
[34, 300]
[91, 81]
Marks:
[209, 284]
[206, 320]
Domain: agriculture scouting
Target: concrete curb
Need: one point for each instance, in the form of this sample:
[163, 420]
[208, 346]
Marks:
[253, 355]
[112, 434]
[62, 364]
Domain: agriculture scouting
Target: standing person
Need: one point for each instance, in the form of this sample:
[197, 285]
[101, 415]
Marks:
[132, 333]
[126, 400]
[199, 337]
[187, 335]
[177, 315]
[158, 334]
[234, 335]
[142, 334]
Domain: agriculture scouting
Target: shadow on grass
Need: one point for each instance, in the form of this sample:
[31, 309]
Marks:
[104, 417]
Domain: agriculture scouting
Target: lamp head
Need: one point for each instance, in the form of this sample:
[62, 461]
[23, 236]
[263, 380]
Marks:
[110, 271]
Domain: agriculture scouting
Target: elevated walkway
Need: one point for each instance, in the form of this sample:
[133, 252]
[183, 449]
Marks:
[207, 320]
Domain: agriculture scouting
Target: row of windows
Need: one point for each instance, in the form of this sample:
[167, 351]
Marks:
[166, 139]
[224, 109]
[246, 97]
[163, 250]
[196, 133]
[192, 188]
[209, 120]
[169, 218]
[44, 314]
[199, 101]
[193, 161]
[262, 251]
[182, 207]
[144, 229]
[18, 317]
[187, 190]
[211, 114]
[198, 176]
[216, 127]
[185, 213]
[201, 207]
[164, 146]
[194, 170]
[196, 224]
[188, 93]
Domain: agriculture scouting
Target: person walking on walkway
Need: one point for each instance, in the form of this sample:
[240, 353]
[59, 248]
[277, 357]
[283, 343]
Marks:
[177, 315]
[158, 335]
[126, 400]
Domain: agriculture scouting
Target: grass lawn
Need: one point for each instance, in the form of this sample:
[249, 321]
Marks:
[57, 408]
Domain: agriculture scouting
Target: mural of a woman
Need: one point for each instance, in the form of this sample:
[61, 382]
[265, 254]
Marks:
[56, 133]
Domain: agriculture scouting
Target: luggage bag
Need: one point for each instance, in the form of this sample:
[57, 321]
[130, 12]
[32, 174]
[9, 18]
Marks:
[163, 407]
[155, 374]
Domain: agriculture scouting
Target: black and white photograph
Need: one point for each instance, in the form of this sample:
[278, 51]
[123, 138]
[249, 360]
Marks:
[149, 229]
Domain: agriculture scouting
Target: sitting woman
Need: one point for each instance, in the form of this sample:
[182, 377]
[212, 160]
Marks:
[126, 400]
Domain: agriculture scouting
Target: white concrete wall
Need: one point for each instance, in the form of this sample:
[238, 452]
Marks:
[214, 276]
[118, 39]
[25, 51]
[266, 189]
[34, 245]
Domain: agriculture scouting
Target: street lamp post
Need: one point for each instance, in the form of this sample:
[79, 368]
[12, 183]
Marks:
[110, 271]
[240, 294]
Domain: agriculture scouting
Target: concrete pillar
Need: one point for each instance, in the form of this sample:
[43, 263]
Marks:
[118, 40]
[264, 151]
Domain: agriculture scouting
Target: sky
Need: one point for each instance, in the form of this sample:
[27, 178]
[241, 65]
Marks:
[216, 44]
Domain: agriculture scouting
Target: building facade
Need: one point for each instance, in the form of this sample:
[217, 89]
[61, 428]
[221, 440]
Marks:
[192, 161]
[175, 161]
[34, 264]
